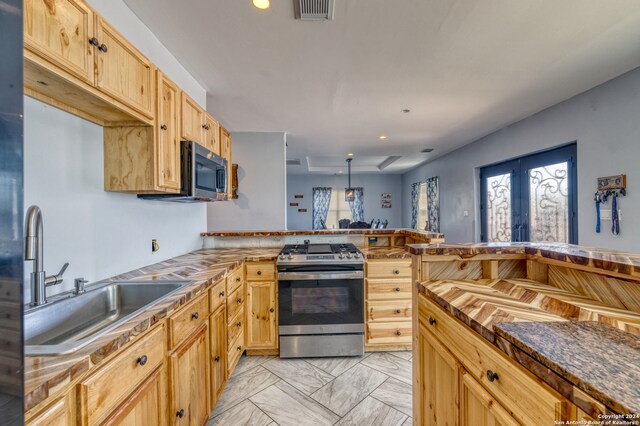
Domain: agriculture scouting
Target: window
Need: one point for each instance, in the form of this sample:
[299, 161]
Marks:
[338, 209]
[423, 212]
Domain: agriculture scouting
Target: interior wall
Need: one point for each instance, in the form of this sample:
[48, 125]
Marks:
[603, 121]
[373, 184]
[100, 234]
[261, 185]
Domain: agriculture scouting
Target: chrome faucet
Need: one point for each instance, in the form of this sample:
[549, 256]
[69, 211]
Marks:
[34, 251]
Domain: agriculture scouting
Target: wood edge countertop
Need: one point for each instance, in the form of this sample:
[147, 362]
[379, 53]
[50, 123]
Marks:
[387, 231]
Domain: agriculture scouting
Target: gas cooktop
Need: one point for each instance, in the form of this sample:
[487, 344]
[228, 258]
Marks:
[320, 253]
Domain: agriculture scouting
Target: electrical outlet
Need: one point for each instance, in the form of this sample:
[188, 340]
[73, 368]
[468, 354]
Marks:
[465, 213]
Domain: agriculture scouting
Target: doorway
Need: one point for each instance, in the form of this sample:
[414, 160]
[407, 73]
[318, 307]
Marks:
[531, 199]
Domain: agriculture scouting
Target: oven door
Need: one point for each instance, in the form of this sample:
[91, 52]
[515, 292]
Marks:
[320, 302]
[209, 173]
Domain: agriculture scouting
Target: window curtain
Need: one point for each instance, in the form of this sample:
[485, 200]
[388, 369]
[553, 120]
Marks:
[321, 200]
[357, 205]
[433, 204]
[415, 204]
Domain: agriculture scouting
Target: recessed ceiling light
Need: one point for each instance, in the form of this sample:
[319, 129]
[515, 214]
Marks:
[383, 137]
[350, 154]
[261, 4]
[406, 111]
[340, 171]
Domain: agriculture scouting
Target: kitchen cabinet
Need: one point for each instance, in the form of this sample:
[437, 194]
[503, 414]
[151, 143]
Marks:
[479, 408]
[60, 413]
[167, 128]
[212, 135]
[59, 31]
[193, 121]
[236, 296]
[189, 366]
[262, 324]
[146, 406]
[218, 352]
[122, 71]
[225, 152]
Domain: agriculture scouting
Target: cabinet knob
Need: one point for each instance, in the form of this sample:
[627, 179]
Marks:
[239, 301]
[259, 272]
[432, 320]
[103, 48]
[238, 279]
[398, 289]
[205, 126]
[239, 348]
[180, 413]
[142, 360]
[94, 41]
[397, 272]
[398, 311]
[163, 127]
[492, 376]
[222, 293]
[195, 315]
[398, 333]
[217, 359]
[239, 324]
[272, 310]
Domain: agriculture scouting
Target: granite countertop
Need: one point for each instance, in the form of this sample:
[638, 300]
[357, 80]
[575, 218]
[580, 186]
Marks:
[599, 359]
[609, 260]
[389, 231]
[567, 333]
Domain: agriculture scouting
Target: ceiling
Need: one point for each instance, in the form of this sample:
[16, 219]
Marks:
[464, 68]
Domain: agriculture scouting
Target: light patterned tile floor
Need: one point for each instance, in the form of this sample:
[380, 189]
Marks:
[370, 390]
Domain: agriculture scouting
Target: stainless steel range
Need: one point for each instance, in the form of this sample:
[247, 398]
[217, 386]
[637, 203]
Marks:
[321, 300]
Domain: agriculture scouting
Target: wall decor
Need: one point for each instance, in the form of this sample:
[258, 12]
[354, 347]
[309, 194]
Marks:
[298, 196]
[433, 204]
[302, 210]
[293, 204]
[612, 182]
[385, 200]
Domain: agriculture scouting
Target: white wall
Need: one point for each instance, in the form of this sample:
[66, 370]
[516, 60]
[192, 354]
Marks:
[100, 234]
[374, 185]
[261, 185]
[603, 121]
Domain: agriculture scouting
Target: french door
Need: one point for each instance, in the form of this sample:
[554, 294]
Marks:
[531, 198]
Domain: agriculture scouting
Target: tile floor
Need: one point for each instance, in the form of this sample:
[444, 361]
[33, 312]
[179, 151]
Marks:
[372, 390]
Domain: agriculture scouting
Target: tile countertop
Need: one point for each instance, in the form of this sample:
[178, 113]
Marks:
[548, 324]
[47, 375]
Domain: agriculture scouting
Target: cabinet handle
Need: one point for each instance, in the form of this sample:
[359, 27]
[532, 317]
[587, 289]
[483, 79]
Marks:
[239, 301]
[398, 333]
[180, 413]
[195, 315]
[103, 48]
[272, 310]
[397, 272]
[142, 360]
[398, 289]
[94, 41]
[432, 320]
[222, 293]
[492, 376]
[238, 279]
[163, 127]
[259, 272]
[217, 359]
[239, 324]
[205, 126]
[239, 348]
[398, 311]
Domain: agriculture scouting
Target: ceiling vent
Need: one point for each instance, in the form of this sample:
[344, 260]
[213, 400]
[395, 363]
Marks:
[427, 150]
[314, 10]
[295, 162]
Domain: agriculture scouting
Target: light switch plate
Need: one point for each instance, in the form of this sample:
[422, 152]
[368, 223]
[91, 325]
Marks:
[605, 214]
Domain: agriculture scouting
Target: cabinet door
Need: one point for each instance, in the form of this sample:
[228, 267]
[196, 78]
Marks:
[123, 72]
[261, 315]
[218, 352]
[168, 148]
[147, 406]
[225, 152]
[212, 141]
[439, 382]
[190, 380]
[479, 408]
[60, 413]
[192, 120]
[59, 31]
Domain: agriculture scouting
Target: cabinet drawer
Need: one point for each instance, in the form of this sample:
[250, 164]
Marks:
[234, 280]
[530, 400]
[235, 327]
[217, 295]
[388, 289]
[235, 302]
[395, 310]
[395, 268]
[103, 391]
[261, 271]
[235, 351]
[389, 333]
[187, 320]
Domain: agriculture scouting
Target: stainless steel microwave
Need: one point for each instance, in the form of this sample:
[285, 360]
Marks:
[203, 176]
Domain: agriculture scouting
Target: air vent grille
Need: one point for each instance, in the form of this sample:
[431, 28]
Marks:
[314, 10]
[295, 162]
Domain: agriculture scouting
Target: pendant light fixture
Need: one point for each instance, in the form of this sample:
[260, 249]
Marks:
[349, 192]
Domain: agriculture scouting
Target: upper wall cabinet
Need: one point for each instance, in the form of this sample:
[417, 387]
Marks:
[193, 121]
[212, 135]
[122, 71]
[168, 146]
[60, 30]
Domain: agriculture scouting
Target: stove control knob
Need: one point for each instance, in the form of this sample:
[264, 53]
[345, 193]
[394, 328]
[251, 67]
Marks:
[281, 257]
[290, 257]
[348, 255]
[356, 255]
[341, 256]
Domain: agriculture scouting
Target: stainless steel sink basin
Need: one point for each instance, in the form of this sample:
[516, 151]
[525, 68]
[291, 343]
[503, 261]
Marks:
[66, 325]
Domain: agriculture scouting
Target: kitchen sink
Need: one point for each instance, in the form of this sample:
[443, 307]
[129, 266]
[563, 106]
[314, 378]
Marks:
[66, 325]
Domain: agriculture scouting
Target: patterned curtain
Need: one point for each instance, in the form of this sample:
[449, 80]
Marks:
[415, 200]
[321, 200]
[433, 204]
[357, 205]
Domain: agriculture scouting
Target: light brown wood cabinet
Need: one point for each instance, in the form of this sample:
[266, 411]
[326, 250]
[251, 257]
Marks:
[218, 352]
[167, 128]
[189, 378]
[193, 121]
[212, 135]
[478, 407]
[60, 413]
[122, 71]
[262, 312]
[236, 300]
[225, 152]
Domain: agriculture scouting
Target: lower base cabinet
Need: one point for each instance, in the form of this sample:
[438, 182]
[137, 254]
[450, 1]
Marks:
[218, 361]
[146, 406]
[479, 408]
[189, 379]
[60, 413]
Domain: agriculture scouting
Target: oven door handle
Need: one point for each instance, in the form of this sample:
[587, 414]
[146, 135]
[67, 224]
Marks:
[350, 275]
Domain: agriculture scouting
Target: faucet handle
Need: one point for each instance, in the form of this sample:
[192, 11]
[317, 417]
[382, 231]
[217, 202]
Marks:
[57, 278]
[64, 268]
[79, 285]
